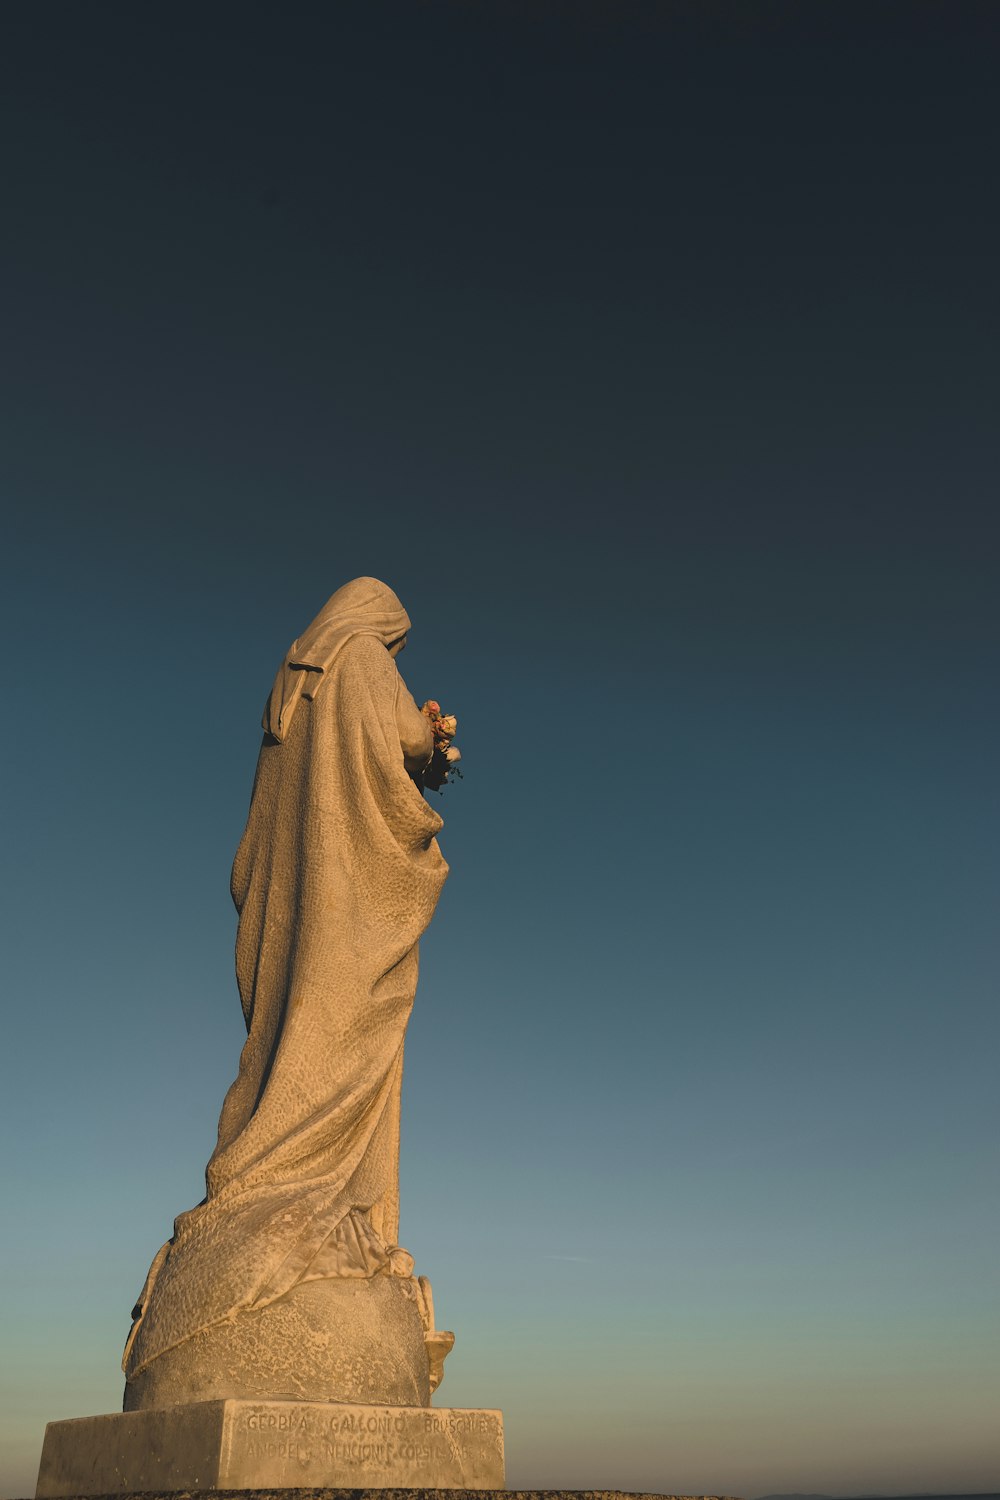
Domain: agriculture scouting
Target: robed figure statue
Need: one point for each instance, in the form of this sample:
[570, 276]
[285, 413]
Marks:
[287, 1280]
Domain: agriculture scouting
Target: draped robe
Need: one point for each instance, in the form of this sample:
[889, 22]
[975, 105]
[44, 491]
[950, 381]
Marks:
[336, 876]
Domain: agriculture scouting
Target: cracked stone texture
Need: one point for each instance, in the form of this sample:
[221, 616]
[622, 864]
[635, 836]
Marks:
[407, 1494]
[335, 879]
[355, 1340]
[232, 1444]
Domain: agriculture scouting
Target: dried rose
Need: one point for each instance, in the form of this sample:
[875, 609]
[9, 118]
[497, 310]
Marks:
[447, 724]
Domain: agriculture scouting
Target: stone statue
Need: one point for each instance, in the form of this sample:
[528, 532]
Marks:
[287, 1281]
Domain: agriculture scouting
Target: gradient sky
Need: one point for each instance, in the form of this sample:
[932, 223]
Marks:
[650, 353]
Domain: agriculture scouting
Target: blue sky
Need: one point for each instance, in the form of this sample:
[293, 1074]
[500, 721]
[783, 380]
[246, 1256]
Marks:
[649, 356]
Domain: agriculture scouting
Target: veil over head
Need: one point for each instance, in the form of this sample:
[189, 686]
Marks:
[362, 607]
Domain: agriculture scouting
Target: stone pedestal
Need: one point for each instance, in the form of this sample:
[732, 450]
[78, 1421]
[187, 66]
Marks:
[262, 1445]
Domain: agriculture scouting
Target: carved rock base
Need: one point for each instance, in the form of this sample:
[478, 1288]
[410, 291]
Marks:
[343, 1339]
[254, 1445]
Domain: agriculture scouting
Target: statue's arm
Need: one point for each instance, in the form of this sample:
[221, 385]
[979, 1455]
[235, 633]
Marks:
[369, 666]
[416, 738]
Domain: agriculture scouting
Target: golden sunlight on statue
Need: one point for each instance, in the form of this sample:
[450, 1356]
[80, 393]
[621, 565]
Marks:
[288, 1280]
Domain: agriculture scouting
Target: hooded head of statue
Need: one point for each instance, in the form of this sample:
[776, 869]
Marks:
[362, 607]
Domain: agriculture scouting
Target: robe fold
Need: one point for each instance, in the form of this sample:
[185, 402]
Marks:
[336, 877]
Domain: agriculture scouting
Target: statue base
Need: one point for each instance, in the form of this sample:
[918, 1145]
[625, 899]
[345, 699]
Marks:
[269, 1445]
[368, 1341]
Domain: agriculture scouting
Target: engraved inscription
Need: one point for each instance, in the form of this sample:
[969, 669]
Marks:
[454, 1422]
[279, 1448]
[384, 1455]
[381, 1422]
[280, 1421]
[293, 1442]
[381, 1442]
[376, 1438]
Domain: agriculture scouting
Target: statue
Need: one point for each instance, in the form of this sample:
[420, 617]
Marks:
[287, 1279]
[281, 1340]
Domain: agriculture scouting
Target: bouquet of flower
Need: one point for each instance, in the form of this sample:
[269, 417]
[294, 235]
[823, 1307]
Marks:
[444, 761]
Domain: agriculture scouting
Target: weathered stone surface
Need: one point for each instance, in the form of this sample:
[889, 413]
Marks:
[236, 1445]
[335, 879]
[345, 1339]
[407, 1494]
[282, 1339]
